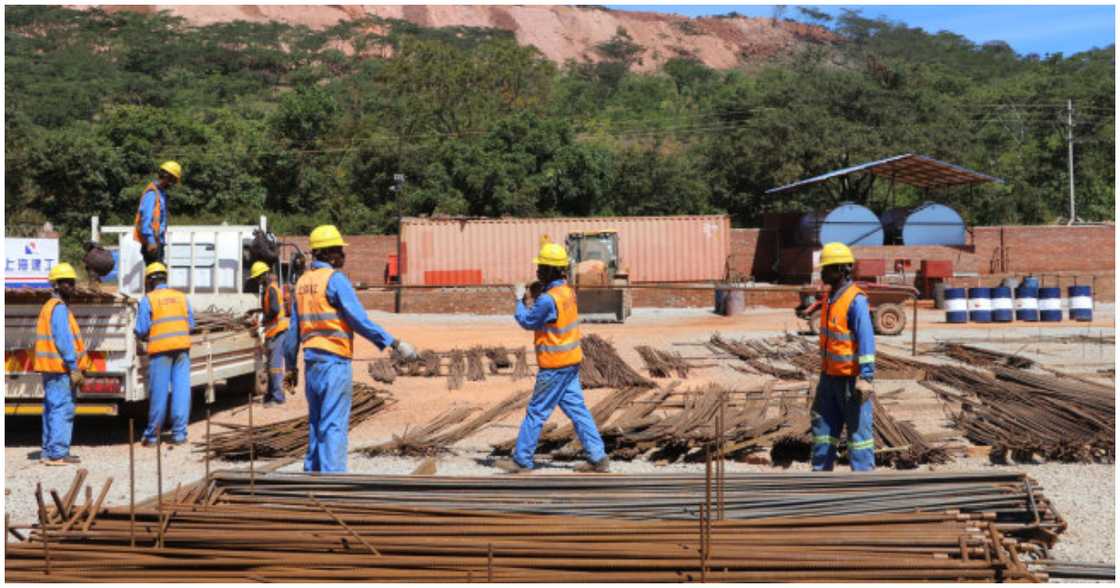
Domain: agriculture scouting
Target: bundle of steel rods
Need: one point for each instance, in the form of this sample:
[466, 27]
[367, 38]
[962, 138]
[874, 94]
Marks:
[437, 436]
[1075, 569]
[381, 370]
[287, 438]
[603, 368]
[975, 356]
[899, 444]
[663, 364]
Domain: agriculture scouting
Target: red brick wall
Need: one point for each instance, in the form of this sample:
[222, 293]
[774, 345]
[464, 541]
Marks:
[366, 255]
[1047, 248]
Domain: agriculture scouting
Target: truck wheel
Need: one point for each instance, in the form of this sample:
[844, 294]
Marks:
[889, 319]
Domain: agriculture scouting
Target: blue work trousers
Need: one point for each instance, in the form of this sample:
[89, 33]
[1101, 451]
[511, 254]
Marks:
[328, 386]
[838, 404]
[169, 376]
[275, 369]
[58, 416]
[557, 387]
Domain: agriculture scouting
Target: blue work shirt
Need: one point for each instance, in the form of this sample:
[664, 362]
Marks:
[144, 315]
[63, 339]
[340, 295]
[147, 207]
[863, 332]
[542, 313]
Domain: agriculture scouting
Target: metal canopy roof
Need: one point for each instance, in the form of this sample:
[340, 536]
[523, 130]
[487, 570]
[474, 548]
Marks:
[915, 170]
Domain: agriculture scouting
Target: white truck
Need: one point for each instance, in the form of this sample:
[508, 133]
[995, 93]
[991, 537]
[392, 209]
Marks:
[208, 263]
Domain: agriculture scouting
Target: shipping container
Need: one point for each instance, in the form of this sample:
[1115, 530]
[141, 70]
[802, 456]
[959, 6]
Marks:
[501, 251]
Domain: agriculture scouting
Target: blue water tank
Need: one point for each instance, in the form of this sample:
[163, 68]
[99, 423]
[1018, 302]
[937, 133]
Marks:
[927, 224]
[850, 224]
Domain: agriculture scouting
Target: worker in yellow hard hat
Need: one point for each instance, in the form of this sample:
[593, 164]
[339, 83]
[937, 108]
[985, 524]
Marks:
[150, 226]
[164, 319]
[550, 311]
[275, 320]
[324, 316]
[847, 340]
[60, 355]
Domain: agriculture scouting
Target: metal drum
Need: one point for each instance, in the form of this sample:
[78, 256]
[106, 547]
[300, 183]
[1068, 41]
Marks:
[956, 305]
[1031, 282]
[735, 302]
[980, 305]
[1002, 306]
[1080, 303]
[850, 224]
[1026, 304]
[1050, 305]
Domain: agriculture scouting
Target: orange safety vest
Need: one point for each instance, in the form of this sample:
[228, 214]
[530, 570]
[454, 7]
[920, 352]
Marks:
[47, 358]
[155, 214]
[279, 323]
[838, 350]
[557, 343]
[171, 329]
[320, 325]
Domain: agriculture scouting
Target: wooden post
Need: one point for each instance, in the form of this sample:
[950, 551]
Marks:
[914, 340]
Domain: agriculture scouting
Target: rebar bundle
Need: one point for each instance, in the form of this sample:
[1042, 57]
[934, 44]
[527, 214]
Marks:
[603, 368]
[662, 364]
[978, 357]
[521, 365]
[287, 438]
[475, 371]
[456, 369]
[436, 438]
[499, 358]
[899, 444]
[381, 370]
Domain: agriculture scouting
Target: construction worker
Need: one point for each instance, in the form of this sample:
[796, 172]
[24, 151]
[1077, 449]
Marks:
[275, 320]
[324, 317]
[150, 226]
[847, 341]
[164, 319]
[554, 319]
[60, 356]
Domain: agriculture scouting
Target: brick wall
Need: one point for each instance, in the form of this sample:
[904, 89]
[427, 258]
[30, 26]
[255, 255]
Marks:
[1048, 248]
[366, 255]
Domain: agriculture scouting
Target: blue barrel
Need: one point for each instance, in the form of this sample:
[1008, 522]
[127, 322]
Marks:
[1003, 309]
[1031, 282]
[1080, 303]
[956, 305]
[721, 296]
[980, 305]
[1026, 304]
[1050, 305]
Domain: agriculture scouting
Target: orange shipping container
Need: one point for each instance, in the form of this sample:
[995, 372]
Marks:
[653, 248]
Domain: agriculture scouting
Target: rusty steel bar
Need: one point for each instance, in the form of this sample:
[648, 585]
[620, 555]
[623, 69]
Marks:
[207, 454]
[131, 485]
[252, 450]
[159, 478]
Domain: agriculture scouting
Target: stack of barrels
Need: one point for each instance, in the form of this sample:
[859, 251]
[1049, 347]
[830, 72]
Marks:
[1031, 303]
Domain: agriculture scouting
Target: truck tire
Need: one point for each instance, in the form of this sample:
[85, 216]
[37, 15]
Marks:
[889, 319]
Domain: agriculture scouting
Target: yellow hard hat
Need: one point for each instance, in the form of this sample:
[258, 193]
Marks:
[259, 267]
[835, 254]
[62, 271]
[326, 236]
[155, 268]
[172, 167]
[552, 254]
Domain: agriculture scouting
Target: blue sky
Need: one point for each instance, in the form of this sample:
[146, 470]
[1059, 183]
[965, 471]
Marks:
[1027, 29]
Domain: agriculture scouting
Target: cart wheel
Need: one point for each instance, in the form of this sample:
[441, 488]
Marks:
[890, 319]
[815, 323]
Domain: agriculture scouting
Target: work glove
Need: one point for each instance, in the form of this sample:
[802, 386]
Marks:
[406, 351]
[291, 380]
[519, 291]
[77, 379]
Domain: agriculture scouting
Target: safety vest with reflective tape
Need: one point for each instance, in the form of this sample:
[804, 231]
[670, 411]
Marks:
[279, 323]
[136, 234]
[557, 343]
[171, 329]
[838, 347]
[320, 325]
[47, 358]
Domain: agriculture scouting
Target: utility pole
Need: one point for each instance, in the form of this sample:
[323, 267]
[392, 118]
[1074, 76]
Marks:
[1072, 202]
[398, 185]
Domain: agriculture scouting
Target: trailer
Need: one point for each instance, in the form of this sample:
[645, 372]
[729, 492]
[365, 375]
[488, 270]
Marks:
[208, 263]
[885, 300]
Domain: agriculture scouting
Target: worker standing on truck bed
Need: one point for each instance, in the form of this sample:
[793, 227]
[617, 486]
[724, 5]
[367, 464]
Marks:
[150, 226]
[554, 318]
[164, 319]
[847, 341]
[60, 356]
[275, 320]
[324, 316]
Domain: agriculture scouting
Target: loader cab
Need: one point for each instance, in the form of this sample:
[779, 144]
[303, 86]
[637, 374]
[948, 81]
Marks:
[595, 265]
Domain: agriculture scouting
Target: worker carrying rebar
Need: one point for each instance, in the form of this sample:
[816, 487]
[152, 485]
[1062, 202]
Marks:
[554, 320]
[150, 227]
[847, 341]
[324, 317]
[60, 356]
[164, 319]
[275, 320]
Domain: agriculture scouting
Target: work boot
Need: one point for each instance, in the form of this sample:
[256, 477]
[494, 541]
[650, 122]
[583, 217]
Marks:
[178, 442]
[63, 461]
[510, 466]
[145, 442]
[603, 466]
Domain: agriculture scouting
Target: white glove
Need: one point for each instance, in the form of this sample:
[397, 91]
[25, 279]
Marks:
[519, 291]
[407, 351]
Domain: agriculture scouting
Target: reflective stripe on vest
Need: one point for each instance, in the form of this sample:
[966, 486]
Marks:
[279, 323]
[47, 358]
[171, 329]
[320, 326]
[557, 344]
[136, 234]
[838, 350]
